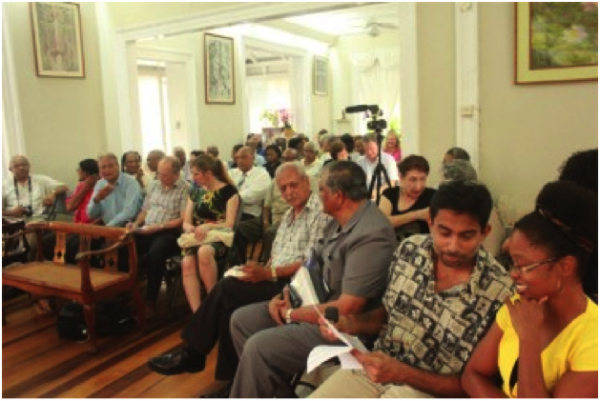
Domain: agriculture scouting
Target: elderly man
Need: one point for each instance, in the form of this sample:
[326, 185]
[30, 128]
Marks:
[252, 184]
[354, 253]
[442, 295]
[26, 194]
[179, 153]
[301, 227]
[311, 162]
[152, 160]
[369, 161]
[158, 226]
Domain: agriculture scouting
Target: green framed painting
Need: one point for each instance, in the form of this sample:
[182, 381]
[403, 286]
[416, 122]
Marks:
[556, 42]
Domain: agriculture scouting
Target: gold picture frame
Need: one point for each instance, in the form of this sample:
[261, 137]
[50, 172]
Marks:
[556, 42]
[57, 40]
[219, 70]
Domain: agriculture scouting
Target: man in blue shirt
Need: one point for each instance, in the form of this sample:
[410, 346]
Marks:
[117, 198]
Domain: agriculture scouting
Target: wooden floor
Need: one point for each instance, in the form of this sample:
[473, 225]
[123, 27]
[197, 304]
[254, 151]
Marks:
[37, 364]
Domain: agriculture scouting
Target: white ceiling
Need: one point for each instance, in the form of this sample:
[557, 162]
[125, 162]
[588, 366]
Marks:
[349, 21]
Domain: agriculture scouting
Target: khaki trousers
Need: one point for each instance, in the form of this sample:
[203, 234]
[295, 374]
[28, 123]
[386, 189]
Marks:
[356, 384]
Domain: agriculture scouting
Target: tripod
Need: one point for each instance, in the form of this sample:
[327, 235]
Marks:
[379, 170]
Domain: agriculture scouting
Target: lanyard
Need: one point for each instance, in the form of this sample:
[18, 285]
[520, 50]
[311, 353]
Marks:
[17, 192]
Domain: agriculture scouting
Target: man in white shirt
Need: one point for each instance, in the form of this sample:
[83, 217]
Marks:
[252, 183]
[311, 162]
[368, 162]
[25, 195]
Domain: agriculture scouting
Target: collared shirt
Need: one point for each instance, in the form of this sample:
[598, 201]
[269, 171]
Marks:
[121, 206]
[297, 236]
[433, 331]
[356, 257]
[165, 204]
[41, 186]
[313, 170]
[252, 187]
[388, 163]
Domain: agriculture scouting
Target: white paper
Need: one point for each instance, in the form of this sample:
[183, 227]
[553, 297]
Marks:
[235, 271]
[302, 284]
[323, 353]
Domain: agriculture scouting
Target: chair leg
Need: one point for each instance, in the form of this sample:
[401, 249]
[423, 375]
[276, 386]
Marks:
[139, 306]
[89, 310]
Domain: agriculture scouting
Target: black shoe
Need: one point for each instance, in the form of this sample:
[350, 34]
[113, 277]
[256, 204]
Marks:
[223, 392]
[176, 362]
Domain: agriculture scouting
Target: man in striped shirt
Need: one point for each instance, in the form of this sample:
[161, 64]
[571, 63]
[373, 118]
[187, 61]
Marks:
[158, 225]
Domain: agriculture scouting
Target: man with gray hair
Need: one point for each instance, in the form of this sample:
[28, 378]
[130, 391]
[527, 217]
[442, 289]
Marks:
[152, 160]
[301, 228]
[158, 226]
[311, 162]
[354, 253]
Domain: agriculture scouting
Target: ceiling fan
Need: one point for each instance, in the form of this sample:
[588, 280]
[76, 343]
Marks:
[374, 28]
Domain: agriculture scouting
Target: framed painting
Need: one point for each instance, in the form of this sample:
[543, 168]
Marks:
[57, 41]
[320, 76]
[219, 78]
[556, 42]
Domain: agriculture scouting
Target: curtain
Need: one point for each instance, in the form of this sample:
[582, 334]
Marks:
[377, 81]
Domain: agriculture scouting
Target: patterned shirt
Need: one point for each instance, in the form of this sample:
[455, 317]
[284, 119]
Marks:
[165, 204]
[296, 237]
[438, 331]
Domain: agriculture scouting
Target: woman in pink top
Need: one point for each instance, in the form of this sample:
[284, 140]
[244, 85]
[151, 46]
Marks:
[79, 199]
[392, 145]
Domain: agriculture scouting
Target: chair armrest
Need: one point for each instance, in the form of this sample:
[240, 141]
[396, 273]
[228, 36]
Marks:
[124, 240]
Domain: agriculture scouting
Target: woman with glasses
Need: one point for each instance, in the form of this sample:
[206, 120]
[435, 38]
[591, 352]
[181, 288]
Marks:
[544, 342]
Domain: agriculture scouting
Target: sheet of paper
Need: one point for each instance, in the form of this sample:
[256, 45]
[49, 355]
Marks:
[324, 353]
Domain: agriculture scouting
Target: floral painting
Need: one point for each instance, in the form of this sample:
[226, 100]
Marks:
[556, 41]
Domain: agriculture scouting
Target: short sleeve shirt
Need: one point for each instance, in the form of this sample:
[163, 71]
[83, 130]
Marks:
[19, 194]
[414, 227]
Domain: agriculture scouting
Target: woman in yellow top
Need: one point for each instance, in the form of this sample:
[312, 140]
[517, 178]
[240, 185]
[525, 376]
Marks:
[544, 342]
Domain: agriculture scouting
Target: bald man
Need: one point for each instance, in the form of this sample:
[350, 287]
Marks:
[252, 183]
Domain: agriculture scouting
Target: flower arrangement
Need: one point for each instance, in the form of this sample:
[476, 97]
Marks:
[278, 117]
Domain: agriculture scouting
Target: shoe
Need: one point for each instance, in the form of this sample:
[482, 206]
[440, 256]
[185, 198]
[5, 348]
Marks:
[223, 392]
[176, 362]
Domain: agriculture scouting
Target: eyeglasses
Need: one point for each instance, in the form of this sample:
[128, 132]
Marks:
[528, 268]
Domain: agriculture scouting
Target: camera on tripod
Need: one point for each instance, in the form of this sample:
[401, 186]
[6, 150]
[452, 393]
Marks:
[376, 124]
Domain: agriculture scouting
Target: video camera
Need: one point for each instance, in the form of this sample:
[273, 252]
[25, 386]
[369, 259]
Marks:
[376, 124]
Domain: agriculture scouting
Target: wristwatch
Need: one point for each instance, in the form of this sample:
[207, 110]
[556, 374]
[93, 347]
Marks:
[288, 316]
[273, 273]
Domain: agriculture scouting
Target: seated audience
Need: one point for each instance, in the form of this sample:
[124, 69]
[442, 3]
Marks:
[456, 153]
[463, 170]
[131, 163]
[158, 226]
[273, 156]
[392, 145]
[301, 227]
[311, 162]
[544, 342]
[359, 147]
[369, 161]
[289, 155]
[212, 205]
[252, 183]
[443, 292]
[407, 206]
[355, 250]
[348, 141]
[152, 160]
[25, 195]
[582, 169]
[337, 151]
[179, 152]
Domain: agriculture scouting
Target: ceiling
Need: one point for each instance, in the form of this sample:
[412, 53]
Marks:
[351, 21]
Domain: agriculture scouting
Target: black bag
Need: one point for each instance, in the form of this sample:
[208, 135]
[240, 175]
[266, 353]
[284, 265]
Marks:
[112, 318]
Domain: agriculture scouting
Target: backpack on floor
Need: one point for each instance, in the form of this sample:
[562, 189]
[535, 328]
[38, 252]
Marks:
[112, 318]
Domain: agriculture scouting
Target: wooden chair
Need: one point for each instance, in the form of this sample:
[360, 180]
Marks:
[79, 282]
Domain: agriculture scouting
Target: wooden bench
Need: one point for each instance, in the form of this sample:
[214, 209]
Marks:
[79, 282]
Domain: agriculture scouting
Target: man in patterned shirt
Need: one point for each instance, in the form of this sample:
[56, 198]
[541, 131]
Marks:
[301, 227]
[444, 290]
[158, 225]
